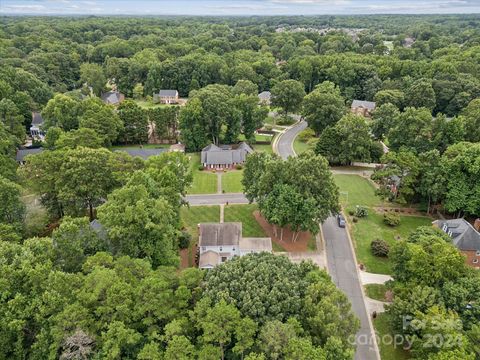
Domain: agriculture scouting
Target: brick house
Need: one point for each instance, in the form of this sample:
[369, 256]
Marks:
[363, 108]
[465, 237]
[224, 157]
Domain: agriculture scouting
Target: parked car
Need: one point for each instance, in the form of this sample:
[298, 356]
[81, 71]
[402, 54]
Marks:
[341, 220]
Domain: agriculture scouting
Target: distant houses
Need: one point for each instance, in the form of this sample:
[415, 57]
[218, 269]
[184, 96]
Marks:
[224, 157]
[465, 237]
[113, 97]
[166, 97]
[36, 131]
[219, 242]
[264, 97]
[363, 108]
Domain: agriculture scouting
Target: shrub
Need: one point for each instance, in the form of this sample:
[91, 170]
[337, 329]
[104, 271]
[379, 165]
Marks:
[379, 248]
[285, 120]
[361, 211]
[355, 219]
[184, 240]
[200, 167]
[306, 135]
[239, 166]
[391, 219]
[351, 212]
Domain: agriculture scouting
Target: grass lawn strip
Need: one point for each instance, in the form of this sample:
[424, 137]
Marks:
[232, 181]
[376, 291]
[388, 351]
[204, 182]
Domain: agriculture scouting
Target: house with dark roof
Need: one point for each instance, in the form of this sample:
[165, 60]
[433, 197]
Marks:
[36, 131]
[219, 242]
[224, 157]
[166, 97]
[364, 108]
[464, 236]
[113, 97]
[22, 153]
[143, 153]
[265, 97]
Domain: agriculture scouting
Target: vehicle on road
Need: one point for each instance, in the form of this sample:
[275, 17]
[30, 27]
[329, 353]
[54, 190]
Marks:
[341, 220]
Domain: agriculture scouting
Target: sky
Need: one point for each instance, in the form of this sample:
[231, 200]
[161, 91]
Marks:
[239, 7]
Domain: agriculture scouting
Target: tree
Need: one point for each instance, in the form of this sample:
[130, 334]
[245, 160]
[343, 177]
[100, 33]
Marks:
[83, 137]
[472, 121]
[288, 95]
[193, 130]
[347, 141]
[51, 137]
[85, 178]
[101, 118]
[61, 111]
[9, 115]
[245, 332]
[135, 123]
[324, 106]
[273, 337]
[432, 179]
[138, 91]
[179, 348]
[384, 118]
[250, 116]
[394, 97]
[140, 226]
[12, 210]
[94, 76]
[421, 94]
[245, 87]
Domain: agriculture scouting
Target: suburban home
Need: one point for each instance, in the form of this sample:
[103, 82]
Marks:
[143, 153]
[166, 97]
[224, 157]
[264, 97]
[465, 237]
[113, 97]
[21, 153]
[219, 242]
[36, 131]
[364, 108]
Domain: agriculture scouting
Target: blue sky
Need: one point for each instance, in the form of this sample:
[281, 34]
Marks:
[240, 7]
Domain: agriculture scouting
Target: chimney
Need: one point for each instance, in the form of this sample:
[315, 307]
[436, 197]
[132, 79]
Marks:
[476, 224]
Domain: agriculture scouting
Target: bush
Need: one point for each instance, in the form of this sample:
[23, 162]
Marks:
[239, 166]
[361, 211]
[306, 135]
[351, 212]
[379, 248]
[200, 167]
[355, 219]
[285, 120]
[391, 219]
[184, 240]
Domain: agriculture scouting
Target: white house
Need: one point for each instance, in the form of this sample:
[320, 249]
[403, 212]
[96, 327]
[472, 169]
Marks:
[219, 242]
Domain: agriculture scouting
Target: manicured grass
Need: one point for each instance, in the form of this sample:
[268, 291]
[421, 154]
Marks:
[232, 181]
[388, 351]
[355, 190]
[244, 214]
[204, 182]
[300, 146]
[376, 291]
[149, 104]
[258, 137]
[263, 148]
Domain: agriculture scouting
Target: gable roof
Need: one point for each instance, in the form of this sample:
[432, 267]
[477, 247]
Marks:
[256, 244]
[143, 153]
[218, 234]
[213, 155]
[246, 147]
[112, 97]
[37, 119]
[463, 234]
[168, 93]
[208, 259]
[265, 95]
[20, 157]
[370, 105]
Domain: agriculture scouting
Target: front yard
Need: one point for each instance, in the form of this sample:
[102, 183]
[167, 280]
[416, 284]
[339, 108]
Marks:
[232, 181]
[355, 190]
[204, 182]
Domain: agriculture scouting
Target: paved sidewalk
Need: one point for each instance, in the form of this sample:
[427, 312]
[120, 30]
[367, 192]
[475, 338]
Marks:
[370, 278]
[219, 183]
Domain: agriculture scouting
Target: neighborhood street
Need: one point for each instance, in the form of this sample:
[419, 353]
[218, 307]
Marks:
[284, 145]
[216, 199]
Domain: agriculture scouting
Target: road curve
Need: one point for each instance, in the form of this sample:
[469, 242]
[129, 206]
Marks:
[284, 146]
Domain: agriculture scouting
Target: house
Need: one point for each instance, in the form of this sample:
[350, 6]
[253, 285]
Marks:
[21, 153]
[113, 97]
[225, 157]
[36, 131]
[465, 237]
[143, 153]
[264, 97]
[364, 108]
[166, 97]
[219, 242]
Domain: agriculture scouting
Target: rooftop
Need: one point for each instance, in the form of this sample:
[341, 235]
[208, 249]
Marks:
[112, 97]
[463, 234]
[37, 119]
[214, 155]
[217, 234]
[143, 153]
[20, 157]
[370, 105]
[256, 244]
[168, 93]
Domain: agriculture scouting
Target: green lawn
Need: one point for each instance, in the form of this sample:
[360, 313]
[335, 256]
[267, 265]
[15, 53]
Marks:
[300, 146]
[193, 215]
[232, 181]
[355, 190]
[264, 148]
[385, 334]
[244, 214]
[258, 137]
[204, 182]
[376, 291]
[149, 104]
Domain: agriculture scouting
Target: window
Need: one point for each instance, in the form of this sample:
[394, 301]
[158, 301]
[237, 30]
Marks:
[204, 248]
[478, 253]
[224, 258]
[475, 261]
[233, 249]
[221, 248]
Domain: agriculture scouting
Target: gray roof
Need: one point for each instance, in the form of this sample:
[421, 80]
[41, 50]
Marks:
[168, 93]
[463, 234]
[37, 119]
[24, 152]
[256, 244]
[208, 260]
[213, 155]
[265, 95]
[111, 97]
[370, 105]
[217, 234]
[143, 153]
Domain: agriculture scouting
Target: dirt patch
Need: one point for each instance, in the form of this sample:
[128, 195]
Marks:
[187, 257]
[404, 211]
[302, 240]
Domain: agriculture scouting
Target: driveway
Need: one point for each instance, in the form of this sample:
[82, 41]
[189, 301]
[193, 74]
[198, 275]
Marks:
[343, 270]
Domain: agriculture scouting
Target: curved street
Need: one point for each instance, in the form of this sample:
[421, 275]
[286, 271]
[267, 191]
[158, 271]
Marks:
[284, 144]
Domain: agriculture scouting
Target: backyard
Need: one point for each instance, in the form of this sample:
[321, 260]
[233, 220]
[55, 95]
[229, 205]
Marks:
[355, 190]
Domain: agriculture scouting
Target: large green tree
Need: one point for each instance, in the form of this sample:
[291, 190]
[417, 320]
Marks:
[135, 123]
[288, 95]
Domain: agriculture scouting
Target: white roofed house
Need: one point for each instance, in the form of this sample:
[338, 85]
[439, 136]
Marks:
[219, 242]
[224, 157]
[265, 97]
[113, 97]
[364, 108]
[166, 97]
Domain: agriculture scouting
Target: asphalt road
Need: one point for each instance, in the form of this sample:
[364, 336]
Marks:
[342, 268]
[285, 142]
[216, 199]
